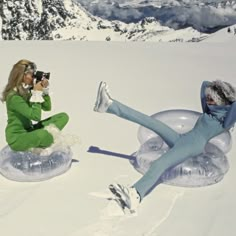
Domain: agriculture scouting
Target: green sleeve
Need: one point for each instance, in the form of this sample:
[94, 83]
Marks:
[46, 105]
[18, 104]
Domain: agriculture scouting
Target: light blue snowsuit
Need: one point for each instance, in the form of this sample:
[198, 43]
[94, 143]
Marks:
[213, 121]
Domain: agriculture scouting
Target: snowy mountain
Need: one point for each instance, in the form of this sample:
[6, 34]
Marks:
[203, 15]
[68, 20]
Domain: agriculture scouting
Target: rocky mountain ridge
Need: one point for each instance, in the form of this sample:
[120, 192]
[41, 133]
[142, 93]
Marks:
[68, 20]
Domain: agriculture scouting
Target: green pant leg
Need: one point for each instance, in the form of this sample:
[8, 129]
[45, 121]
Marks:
[37, 138]
[59, 120]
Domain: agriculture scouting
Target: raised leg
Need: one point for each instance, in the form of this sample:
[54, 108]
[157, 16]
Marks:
[167, 134]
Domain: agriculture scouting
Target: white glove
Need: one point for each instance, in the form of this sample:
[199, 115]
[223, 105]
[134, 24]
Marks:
[37, 96]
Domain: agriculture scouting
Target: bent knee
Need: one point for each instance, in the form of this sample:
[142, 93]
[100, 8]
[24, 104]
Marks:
[64, 118]
[45, 138]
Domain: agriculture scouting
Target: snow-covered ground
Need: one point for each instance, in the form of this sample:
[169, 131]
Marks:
[149, 77]
[223, 36]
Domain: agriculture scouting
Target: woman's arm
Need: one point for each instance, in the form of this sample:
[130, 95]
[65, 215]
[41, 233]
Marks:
[203, 96]
[230, 119]
[18, 104]
[46, 105]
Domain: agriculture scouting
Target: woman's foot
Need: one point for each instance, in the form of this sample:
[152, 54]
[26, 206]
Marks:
[103, 100]
[47, 151]
[42, 151]
[54, 131]
[127, 196]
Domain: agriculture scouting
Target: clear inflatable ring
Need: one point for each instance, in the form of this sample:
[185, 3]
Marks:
[205, 169]
[30, 167]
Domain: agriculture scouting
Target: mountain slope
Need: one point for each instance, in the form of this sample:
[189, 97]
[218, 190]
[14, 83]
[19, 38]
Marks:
[66, 20]
[223, 36]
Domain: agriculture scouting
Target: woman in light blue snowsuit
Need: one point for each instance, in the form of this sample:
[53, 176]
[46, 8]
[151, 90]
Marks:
[219, 114]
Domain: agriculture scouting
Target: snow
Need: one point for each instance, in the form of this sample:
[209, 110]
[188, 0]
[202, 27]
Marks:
[222, 36]
[39, 5]
[6, 12]
[149, 77]
[68, 4]
[0, 28]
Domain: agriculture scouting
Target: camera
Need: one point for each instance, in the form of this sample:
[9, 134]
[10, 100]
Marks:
[40, 75]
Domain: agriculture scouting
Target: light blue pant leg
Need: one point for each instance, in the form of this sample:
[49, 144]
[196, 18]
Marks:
[187, 146]
[167, 134]
[183, 149]
[158, 167]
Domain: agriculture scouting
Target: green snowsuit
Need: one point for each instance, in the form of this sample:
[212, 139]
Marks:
[21, 133]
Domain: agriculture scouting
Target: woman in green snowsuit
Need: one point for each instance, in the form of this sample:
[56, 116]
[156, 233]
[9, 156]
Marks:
[25, 101]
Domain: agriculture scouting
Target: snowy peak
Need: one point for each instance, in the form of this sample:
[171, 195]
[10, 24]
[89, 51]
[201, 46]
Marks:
[18, 15]
[36, 19]
[67, 20]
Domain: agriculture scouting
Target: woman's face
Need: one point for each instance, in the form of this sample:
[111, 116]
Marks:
[209, 100]
[28, 78]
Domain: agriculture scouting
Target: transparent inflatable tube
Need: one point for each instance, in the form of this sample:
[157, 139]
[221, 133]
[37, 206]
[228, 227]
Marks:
[205, 169]
[30, 167]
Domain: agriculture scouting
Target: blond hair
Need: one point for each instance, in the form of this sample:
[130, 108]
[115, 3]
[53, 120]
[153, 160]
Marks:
[15, 80]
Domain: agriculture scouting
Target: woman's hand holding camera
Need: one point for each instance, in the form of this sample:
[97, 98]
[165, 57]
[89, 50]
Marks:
[41, 85]
[45, 83]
